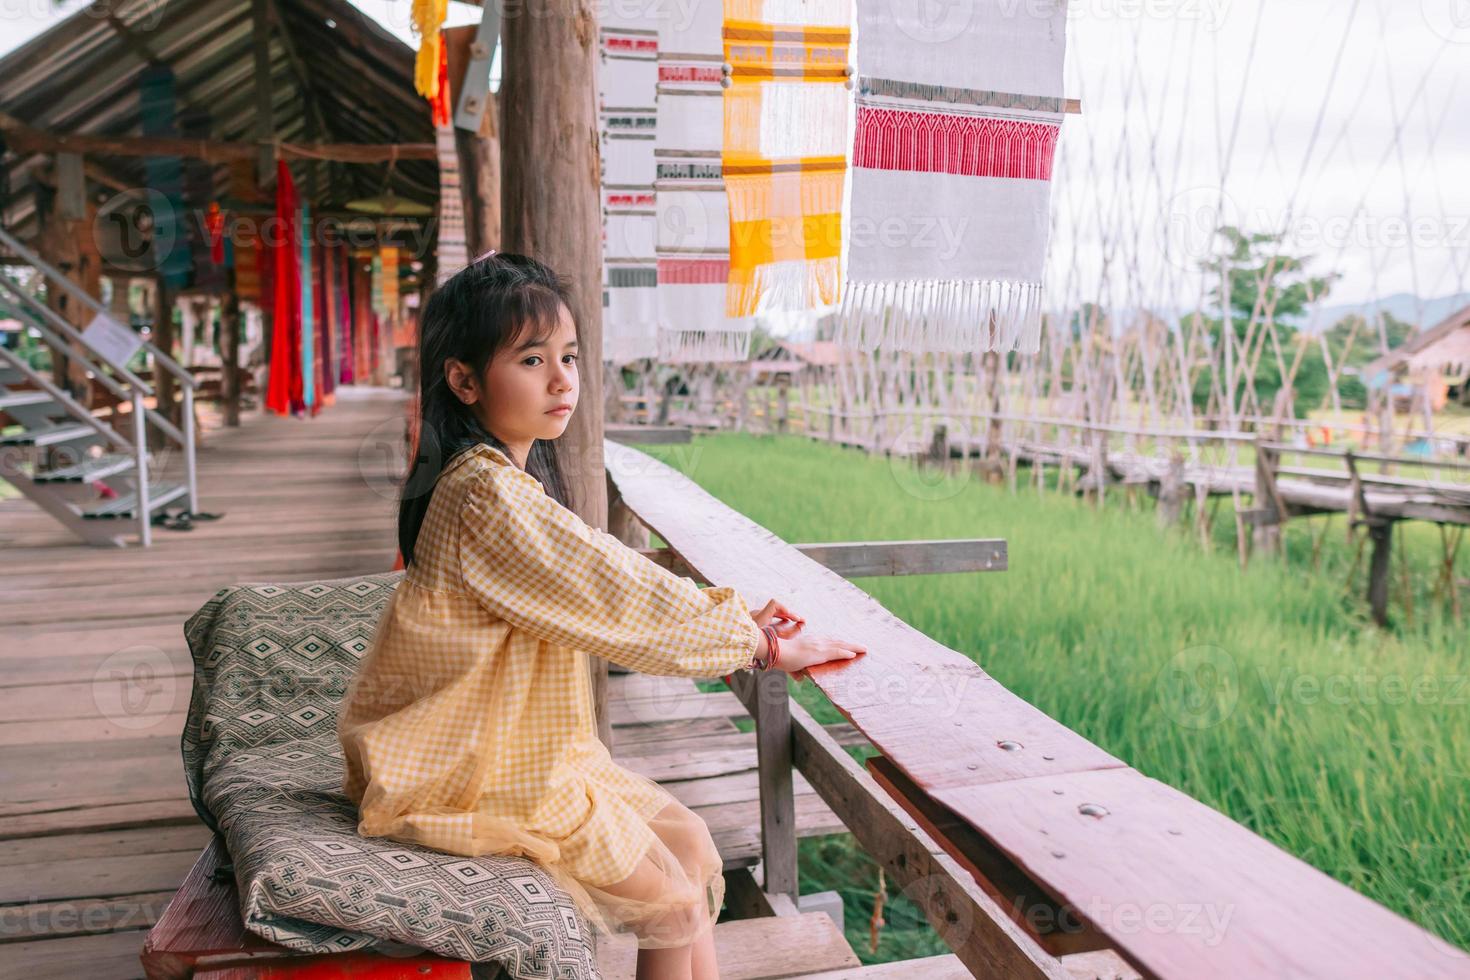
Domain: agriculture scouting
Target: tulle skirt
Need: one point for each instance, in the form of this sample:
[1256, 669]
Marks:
[671, 898]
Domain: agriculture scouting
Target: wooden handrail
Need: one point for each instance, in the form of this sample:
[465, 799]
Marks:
[857, 559]
[1177, 888]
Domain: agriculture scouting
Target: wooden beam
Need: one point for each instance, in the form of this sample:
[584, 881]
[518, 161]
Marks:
[24, 138]
[265, 117]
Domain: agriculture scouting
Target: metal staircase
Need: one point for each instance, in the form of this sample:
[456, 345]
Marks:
[62, 448]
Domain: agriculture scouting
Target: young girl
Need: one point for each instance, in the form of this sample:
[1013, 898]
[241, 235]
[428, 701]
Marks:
[470, 728]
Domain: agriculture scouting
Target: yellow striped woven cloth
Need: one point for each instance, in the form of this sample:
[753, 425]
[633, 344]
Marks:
[784, 155]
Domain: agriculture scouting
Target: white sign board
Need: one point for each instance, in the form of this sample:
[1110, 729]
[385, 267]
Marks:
[114, 342]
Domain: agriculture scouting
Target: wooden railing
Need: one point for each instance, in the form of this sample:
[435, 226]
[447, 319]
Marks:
[1024, 844]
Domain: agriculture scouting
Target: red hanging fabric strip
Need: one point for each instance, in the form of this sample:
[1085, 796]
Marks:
[439, 104]
[284, 388]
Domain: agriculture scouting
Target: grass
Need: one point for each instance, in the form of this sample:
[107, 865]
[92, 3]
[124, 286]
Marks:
[1264, 693]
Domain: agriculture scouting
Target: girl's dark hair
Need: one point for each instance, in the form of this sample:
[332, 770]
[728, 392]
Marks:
[478, 311]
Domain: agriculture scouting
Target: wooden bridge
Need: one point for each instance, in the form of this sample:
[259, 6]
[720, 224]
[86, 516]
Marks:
[1032, 852]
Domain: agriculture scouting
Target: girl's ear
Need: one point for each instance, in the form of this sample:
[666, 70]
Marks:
[461, 380]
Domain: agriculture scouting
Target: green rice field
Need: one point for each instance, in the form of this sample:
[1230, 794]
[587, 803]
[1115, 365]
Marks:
[1347, 745]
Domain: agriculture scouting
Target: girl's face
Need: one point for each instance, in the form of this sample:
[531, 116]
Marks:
[529, 388]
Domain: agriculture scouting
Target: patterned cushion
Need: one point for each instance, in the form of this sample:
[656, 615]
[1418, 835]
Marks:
[264, 768]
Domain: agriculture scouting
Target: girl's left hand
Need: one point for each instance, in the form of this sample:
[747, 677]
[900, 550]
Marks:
[773, 613]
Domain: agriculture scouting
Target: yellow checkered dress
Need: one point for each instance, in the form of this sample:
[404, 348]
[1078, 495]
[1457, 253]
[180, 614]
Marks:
[469, 727]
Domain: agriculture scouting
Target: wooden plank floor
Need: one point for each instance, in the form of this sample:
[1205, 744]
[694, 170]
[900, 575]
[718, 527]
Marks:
[96, 828]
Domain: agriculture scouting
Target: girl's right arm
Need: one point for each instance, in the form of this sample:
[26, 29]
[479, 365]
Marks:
[541, 568]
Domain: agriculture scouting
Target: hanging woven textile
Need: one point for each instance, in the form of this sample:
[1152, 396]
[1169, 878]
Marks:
[342, 271]
[693, 217]
[627, 121]
[308, 314]
[428, 17]
[451, 253]
[326, 354]
[284, 389]
[785, 151]
[956, 128]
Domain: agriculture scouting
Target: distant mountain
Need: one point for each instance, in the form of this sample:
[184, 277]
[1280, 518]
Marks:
[1402, 306]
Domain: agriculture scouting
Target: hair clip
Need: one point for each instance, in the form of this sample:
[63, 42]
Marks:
[482, 257]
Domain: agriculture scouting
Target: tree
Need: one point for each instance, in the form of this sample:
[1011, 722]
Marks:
[1243, 264]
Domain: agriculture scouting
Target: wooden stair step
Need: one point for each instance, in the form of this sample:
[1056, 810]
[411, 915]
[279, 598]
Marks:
[754, 949]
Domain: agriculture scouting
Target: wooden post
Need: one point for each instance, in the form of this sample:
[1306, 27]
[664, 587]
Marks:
[265, 124]
[479, 154]
[624, 525]
[229, 342]
[783, 401]
[1381, 534]
[1171, 491]
[1266, 530]
[163, 338]
[551, 208]
[68, 244]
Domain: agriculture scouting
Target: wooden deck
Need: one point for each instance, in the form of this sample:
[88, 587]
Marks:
[96, 829]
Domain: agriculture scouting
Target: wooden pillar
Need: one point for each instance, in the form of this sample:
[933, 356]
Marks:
[163, 338]
[229, 343]
[1171, 491]
[551, 209]
[1381, 534]
[1266, 532]
[479, 154]
[627, 528]
[66, 241]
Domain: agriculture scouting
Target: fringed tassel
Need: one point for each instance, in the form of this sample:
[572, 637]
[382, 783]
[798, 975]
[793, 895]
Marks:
[941, 316]
[782, 287]
[703, 346]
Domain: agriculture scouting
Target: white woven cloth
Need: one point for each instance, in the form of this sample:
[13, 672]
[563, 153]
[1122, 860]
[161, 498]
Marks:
[959, 108]
[693, 238]
[627, 85]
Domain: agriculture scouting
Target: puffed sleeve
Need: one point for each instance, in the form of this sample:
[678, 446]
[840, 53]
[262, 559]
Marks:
[541, 568]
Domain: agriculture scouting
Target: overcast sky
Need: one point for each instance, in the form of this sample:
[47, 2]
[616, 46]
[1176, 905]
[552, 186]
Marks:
[1379, 194]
